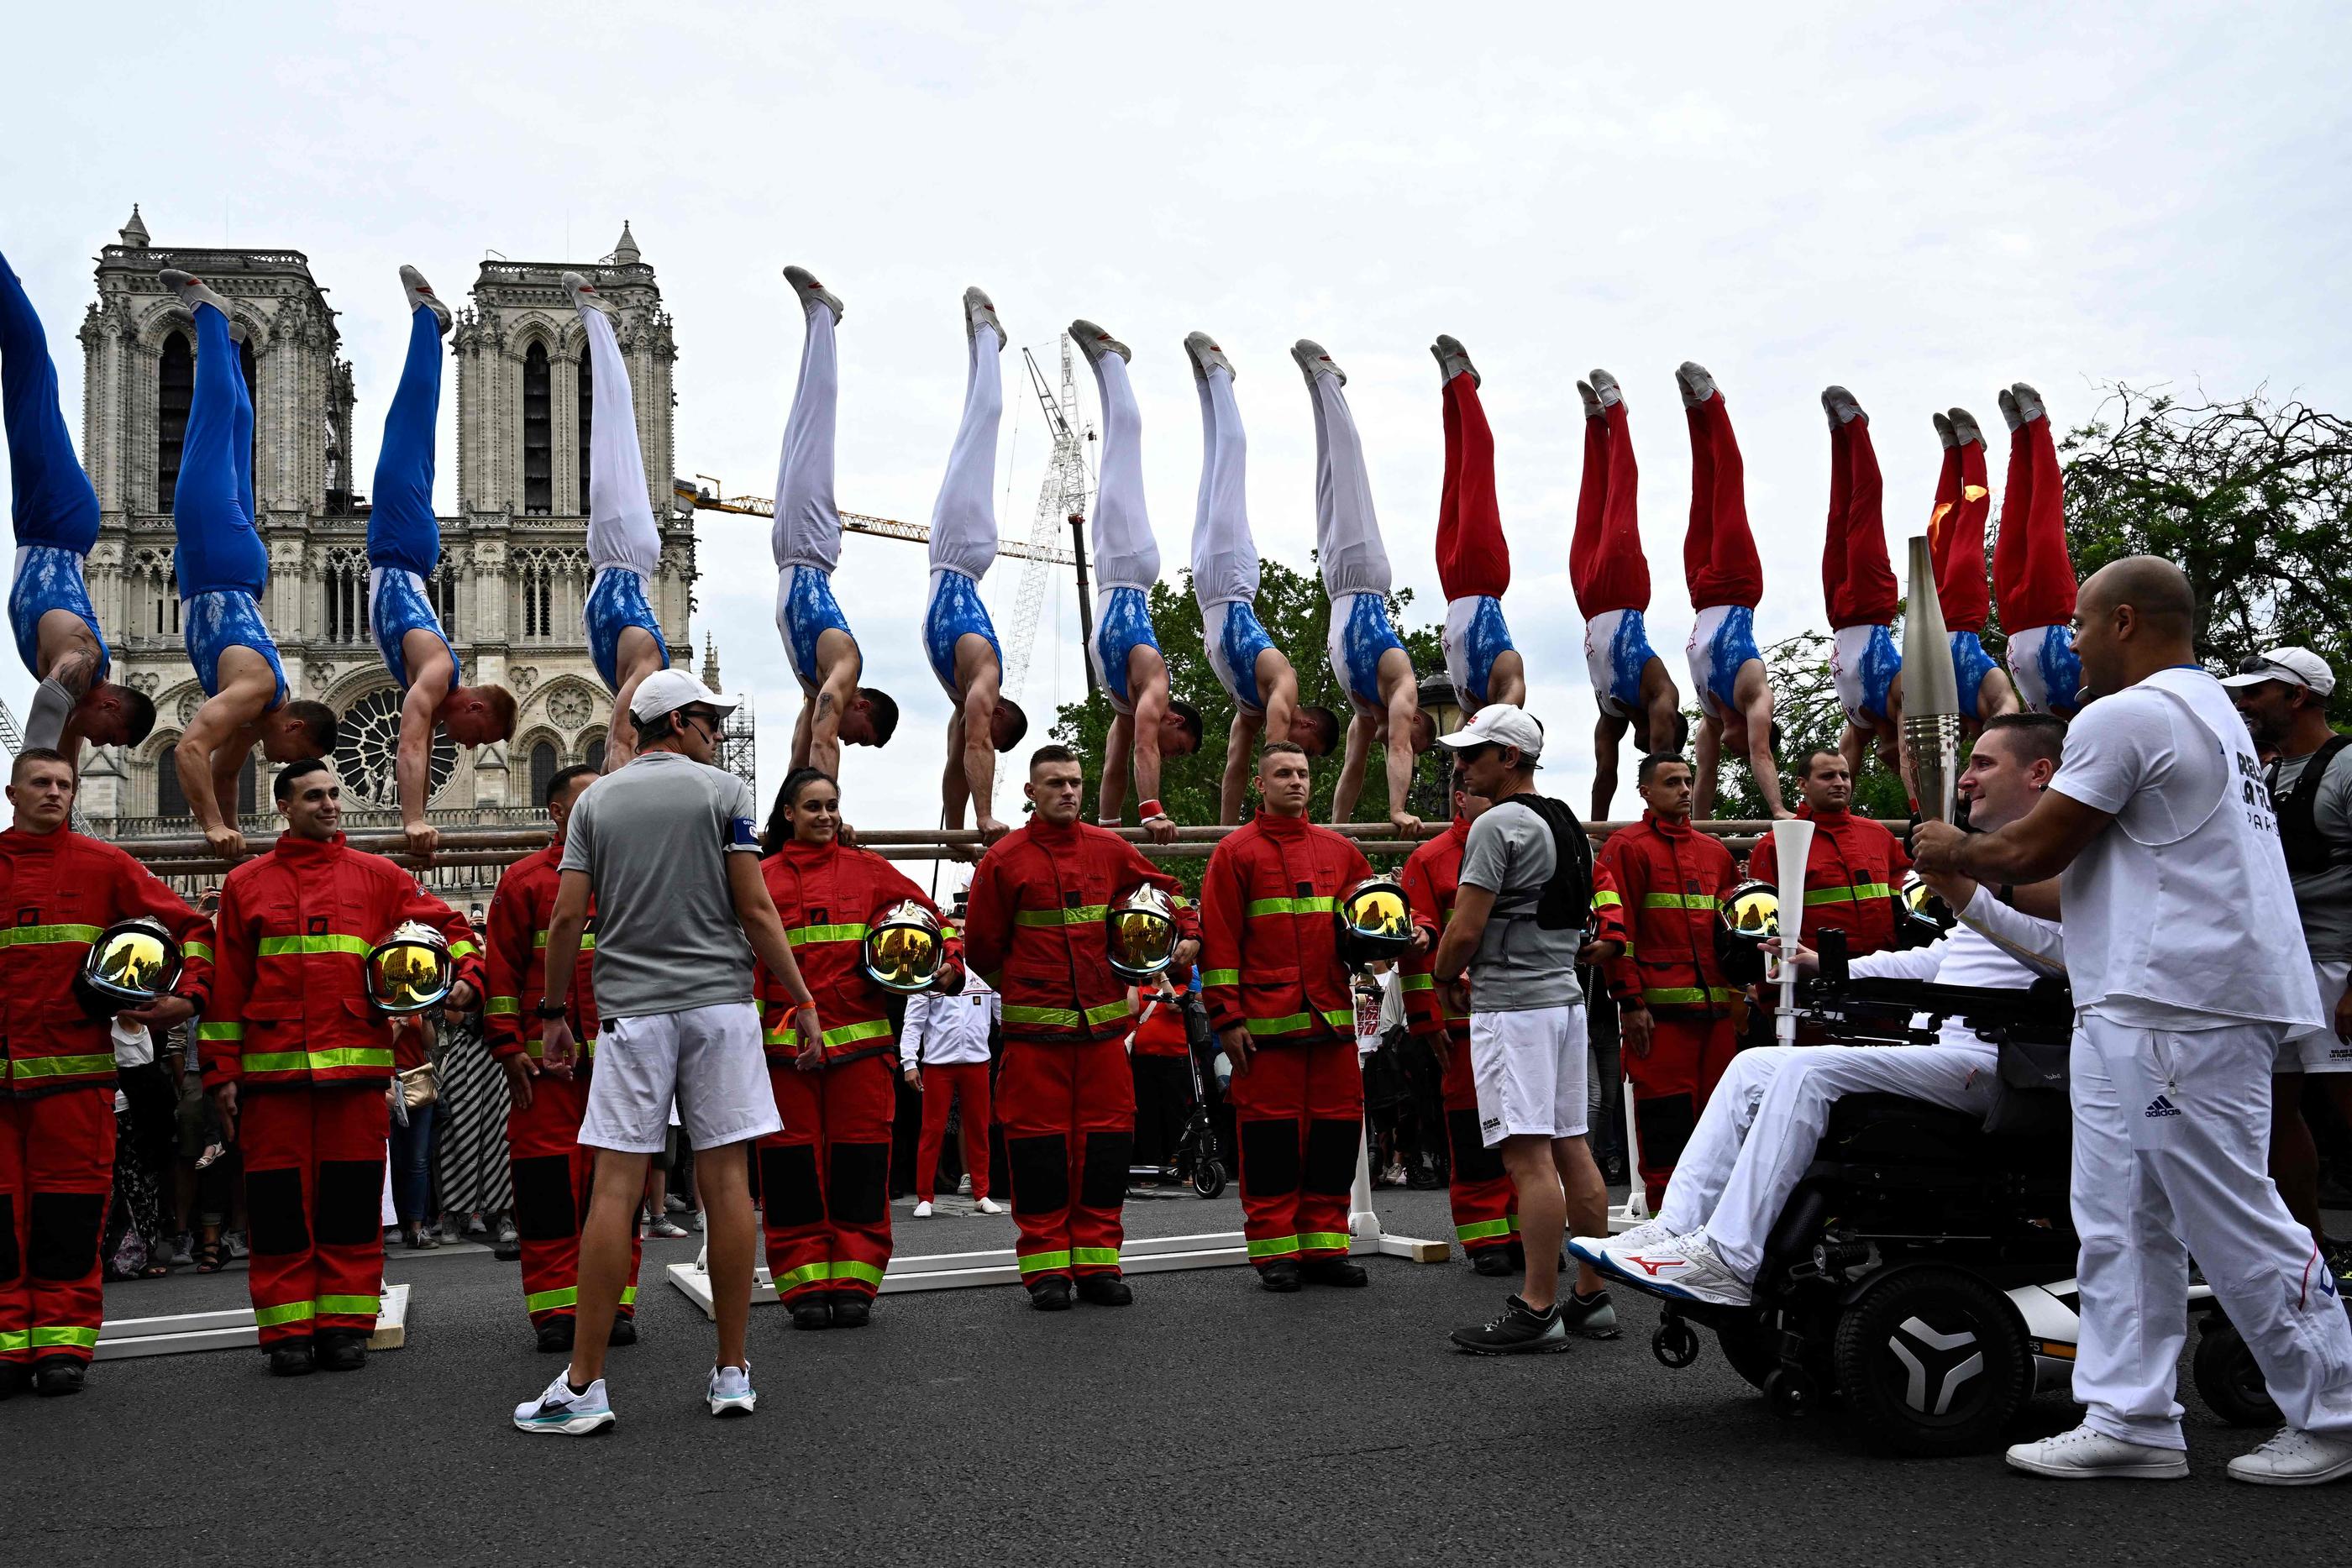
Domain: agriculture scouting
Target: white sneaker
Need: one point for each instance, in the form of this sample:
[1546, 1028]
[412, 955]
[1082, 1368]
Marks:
[565, 1413]
[730, 1391]
[2086, 1455]
[2294, 1458]
[1652, 1233]
[922, 1211]
[990, 1205]
[1685, 1266]
[963, 1186]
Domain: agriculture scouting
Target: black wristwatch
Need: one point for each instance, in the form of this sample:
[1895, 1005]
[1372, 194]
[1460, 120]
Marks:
[549, 1011]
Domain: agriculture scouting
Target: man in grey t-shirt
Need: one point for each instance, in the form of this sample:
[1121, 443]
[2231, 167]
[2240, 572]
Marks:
[668, 849]
[1526, 1035]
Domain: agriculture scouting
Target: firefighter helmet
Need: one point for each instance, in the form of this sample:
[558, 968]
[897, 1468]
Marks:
[1923, 917]
[1141, 933]
[1746, 928]
[904, 949]
[131, 964]
[409, 972]
[1375, 922]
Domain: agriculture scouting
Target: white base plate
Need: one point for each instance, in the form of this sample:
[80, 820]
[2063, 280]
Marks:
[120, 1339]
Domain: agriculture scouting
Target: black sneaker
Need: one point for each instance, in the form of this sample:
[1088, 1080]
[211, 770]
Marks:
[1334, 1272]
[1520, 1329]
[555, 1337]
[1282, 1276]
[1589, 1317]
[1050, 1294]
[57, 1374]
[1106, 1290]
[342, 1350]
[623, 1332]
[813, 1313]
[852, 1311]
[1493, 1263]
[295, 1358]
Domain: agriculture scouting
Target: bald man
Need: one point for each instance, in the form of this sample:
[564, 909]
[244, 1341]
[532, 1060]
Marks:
[2188, 969]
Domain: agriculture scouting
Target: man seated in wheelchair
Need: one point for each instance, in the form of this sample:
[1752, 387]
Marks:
[1757, 1136]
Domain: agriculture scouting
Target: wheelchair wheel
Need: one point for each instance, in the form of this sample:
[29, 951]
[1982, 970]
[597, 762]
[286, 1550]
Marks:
[2228, 1379]
[1675, 1344]
[1751, 1347]
[1209, 1177]
[1935, 1361]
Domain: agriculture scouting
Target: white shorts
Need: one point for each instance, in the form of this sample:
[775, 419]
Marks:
[707, 1060]
[2323, 1050]
[1529, 1070]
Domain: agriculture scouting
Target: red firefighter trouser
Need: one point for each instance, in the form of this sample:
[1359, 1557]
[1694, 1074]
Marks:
[1688, 1053]
[552, 1177]
[1300, 1116]
[825, 1180]
[1486, 1200]
[57, 1173]
[314, 1190]
[943, 1085]
[1069, 1129]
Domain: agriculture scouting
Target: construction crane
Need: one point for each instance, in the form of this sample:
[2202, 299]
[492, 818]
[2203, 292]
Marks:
[1062, 501]
[712, 498]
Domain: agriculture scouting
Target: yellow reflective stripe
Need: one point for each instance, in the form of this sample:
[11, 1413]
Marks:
[587, 940]
[1274, 1246]
[461, 948]
[780, 1035]
[317, 1060]
[1853, 894]
[26, 1067]
[865, 1272]
[1290, 1022]
[1421, 982]
[1086, 915]
[502, 1006]
[16, 1339]
[350, 1306]
[274, 1061]
[628, 1295]
[1323, 1240]
[1107, 1011]
[197, 950]
[802, 935]
[1221, 976]
[807, 1274]
[536, 1047]
[1065, 1018]
[1684, 995]
[1257, 906]
[1679, 901]
[1038, 1262]
[1483, 1229]
[850, 1033]
[209, 1031]
[284, 946]
[39, 935]
[1607, 898]
[546, 1301]
[1095, 1257]
[288, 1312]
[52, 1336]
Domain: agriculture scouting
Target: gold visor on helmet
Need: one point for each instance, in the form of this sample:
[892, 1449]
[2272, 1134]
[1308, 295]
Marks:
[1923, 912]
[410, 972]
[903, 950]
[1375, 920]
[133, 962]
[1142, 934]
[1752, 912]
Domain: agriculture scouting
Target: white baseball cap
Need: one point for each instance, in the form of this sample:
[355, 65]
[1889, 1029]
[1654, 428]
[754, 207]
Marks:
[666, 691]
[1499, 724]
[2295, 666]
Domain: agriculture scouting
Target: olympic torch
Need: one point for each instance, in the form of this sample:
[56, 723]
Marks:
[1931, 693]
[1792, 843]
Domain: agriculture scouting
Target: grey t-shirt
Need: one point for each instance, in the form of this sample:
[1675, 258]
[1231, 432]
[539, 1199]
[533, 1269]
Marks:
[1518, 964]
[653, 839]
[2324, 897]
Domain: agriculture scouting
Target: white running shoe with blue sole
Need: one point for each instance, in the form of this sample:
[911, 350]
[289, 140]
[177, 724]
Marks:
[1649, 1233]
[1685, 1267]
[564, 1413]
[730, 1391]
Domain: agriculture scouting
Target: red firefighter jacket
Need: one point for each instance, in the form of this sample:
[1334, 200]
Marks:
[1269, 934]
[827, 896]
[62, 892]
[1034, 928]
[1673, 881]
[521, 913]
[1852, 877]
[289, 994]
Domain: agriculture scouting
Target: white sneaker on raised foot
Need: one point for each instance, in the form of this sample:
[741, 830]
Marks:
[730, 1391]
[563, 1411]
[2295, 1459]
[989, 1206]
[2086, 1454]
[1685, 1266]
[1650, 1232]
[922, 1211]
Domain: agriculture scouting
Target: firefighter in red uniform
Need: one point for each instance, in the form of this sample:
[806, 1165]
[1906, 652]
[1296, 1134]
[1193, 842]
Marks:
[57, 1104]
[1034, 930]
[824, 1180]
[1854, 876]
[1278, 996]
[1675, 1008]
[296, 1059]
[552, 1171]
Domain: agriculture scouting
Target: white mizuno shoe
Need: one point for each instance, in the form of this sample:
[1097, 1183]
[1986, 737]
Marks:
[1685, 1267]
[2086, 1454]
[1649, 1233]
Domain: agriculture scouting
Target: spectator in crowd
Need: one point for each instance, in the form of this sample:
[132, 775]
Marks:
[136, 1245]
[943, 1054]
[412, 1141]
[1156, 1053]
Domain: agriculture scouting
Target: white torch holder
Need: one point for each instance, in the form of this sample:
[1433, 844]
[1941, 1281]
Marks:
[1792, 845]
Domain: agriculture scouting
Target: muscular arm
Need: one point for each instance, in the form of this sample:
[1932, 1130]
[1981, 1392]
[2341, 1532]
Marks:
[1471, 908]
[1351, 786]
[213, 749]
[1404, 705]
[2035, 848]
[978, 750]
[1605, 731]
[1118, 758]
[762, 927]
[413, 762]
[822, 714]
[1238, 742]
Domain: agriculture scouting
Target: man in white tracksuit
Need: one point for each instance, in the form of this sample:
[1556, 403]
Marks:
[2188, 968]
[1760, 1127]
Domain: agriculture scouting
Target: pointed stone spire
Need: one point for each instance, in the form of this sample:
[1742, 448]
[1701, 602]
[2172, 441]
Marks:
[134, 233]
[624, 250]
[710, 663]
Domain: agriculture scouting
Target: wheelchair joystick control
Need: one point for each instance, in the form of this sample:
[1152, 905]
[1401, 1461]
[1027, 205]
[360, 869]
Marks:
[1833, 951]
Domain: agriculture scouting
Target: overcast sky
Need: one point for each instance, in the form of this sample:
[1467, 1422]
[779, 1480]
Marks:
[1922, 204]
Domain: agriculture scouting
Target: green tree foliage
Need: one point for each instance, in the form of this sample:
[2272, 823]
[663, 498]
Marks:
[1805, 706]
[1296, 616]
[2252, 498]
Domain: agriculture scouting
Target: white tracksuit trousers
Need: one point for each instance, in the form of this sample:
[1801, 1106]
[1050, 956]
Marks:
[2171, 1148]
[808, 530]
[620, 528]
[963, 519]
[1224, 555]
[1126, 553]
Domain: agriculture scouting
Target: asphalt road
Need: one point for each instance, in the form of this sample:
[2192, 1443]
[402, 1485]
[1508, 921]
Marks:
[1209, 1423]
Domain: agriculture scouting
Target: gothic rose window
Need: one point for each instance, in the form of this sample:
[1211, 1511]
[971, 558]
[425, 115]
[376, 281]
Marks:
[369, 744]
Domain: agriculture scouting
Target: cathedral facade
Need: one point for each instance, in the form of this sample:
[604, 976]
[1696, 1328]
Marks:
[514, 566]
